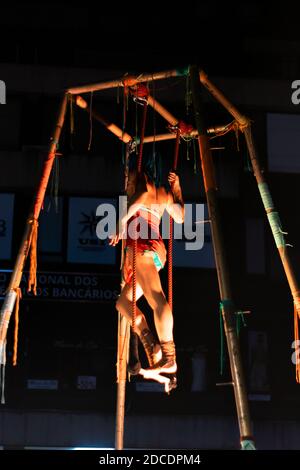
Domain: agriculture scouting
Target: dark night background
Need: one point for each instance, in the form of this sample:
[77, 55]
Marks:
[251, 50]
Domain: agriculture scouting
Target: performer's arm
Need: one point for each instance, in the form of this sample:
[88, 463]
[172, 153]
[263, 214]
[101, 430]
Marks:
[135, 203]
[175, 205]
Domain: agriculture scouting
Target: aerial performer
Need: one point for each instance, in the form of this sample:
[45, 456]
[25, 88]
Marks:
[147, 201]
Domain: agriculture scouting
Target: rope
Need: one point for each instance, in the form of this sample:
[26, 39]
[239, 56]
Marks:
[240, 320]
[140, 157]
[134, 257]
[16, 332]
[33, 257]
[170, 242]
[91, 121]
[124, 117]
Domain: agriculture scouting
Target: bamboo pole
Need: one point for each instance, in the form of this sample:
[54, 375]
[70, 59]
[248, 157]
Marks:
[10, 297]
[160, 109]
[123, 350]
[273, 218]
[226, 304]
[265, 194]
[159, 137]
[117, 131]
[127, 79]
[219, 96]
[123, 342]
[172, 136]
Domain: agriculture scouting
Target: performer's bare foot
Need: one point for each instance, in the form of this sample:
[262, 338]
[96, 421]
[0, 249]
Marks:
[169, 380]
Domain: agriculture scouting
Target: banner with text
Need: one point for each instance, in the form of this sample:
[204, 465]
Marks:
[85, 287]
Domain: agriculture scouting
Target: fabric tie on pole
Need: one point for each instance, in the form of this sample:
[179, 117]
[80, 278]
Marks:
[32, 284]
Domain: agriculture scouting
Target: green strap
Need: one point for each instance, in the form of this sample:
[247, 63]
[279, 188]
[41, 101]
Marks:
[240, 321]
[222, 356]
[182, 72]
[273, 216]
[247, 444]
[223, 304]
[247, 164]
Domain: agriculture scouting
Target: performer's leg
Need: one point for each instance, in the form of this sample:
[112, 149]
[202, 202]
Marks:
[124, 306]
[149, 280]
[152, 348]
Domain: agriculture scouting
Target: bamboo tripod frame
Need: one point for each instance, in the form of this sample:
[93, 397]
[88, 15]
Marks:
[207, 168]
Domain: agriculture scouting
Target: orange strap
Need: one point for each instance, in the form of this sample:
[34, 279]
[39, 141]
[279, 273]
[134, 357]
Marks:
[33, 258]
[297, 345]
[16, 332]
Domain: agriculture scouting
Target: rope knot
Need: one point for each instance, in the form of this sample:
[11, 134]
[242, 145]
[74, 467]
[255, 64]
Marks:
[244, 125]
[128, 81]
[139, 92]
[185, 129]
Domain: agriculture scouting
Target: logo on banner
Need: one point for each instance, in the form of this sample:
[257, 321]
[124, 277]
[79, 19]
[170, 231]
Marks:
[83, 244]
[88, 223]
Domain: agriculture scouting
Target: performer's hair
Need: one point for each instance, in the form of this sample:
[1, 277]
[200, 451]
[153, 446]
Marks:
[151, 166]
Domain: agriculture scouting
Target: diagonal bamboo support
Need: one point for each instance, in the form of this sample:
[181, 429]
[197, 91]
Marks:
[11, 295]
[110, 126]
[160, 109]
[227, 306]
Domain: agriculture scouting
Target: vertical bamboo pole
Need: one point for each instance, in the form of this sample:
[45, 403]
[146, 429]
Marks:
[122, 359]
[227, 305]
[10, 297]
[123, 337]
